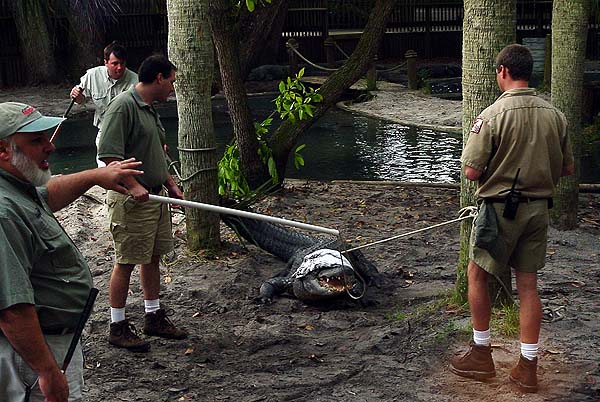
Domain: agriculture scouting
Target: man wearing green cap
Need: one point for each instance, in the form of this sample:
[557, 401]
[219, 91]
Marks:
[44, 280]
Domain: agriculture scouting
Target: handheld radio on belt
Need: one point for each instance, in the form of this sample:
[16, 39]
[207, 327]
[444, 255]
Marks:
[511, 203]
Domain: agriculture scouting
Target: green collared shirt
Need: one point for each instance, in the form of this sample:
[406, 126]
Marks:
[519, 130]
[132, 128]
[98, 86]
[39, 264]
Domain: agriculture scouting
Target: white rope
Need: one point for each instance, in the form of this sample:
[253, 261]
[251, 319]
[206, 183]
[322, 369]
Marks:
[464, 213]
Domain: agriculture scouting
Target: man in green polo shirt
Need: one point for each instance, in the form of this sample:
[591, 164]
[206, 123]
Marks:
[521, 140]
[141, 230]
[44, 280]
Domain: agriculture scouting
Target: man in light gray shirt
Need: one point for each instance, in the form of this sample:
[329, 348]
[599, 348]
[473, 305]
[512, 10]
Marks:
[103, 83]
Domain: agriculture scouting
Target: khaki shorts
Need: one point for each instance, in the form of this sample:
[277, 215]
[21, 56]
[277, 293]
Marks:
[139, 229]
[526, 239]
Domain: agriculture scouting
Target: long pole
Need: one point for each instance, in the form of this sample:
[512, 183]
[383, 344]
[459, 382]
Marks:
[245, 214]
[65, 116]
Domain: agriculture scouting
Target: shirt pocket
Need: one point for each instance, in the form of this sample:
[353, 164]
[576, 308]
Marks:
[100, 98]
[60, 251]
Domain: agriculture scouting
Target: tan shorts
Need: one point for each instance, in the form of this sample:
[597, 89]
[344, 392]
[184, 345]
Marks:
[139, 229]
[526, 239]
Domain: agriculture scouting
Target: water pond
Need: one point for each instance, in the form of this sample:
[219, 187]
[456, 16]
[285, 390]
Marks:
[341, 145]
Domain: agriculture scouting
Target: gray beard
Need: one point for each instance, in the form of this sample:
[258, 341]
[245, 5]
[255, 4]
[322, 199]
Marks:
[28, 168]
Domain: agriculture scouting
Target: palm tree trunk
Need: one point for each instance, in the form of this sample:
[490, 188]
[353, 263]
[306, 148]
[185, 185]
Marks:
[31, 19]
[569, 34]
[488, 26]
[191, 50]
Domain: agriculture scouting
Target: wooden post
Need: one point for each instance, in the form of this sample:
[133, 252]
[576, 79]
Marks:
[330, 51]
[372, 75]
[548, 63]
[411, 69]
[292, 44]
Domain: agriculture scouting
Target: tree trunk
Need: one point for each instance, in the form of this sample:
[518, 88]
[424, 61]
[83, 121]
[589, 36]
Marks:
[31, 19]
[488, 26]
[286, 136]
[227, 45]
[569, 34]
[191, 50]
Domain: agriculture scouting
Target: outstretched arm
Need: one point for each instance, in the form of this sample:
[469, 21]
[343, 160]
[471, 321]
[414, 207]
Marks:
[63, 190]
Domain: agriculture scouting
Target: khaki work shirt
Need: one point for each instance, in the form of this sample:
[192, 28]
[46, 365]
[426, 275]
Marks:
[39, 264]
[97, 85]
[519, 130]
[132, 128]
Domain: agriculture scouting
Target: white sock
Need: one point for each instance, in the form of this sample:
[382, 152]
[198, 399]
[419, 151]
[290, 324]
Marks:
[481, 338]
[117, 314]
[529, 350]
[151, 305]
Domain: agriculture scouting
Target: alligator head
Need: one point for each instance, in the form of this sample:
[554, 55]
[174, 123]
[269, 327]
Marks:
[324, 274]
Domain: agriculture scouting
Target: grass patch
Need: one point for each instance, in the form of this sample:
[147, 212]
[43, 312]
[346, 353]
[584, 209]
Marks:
[505, 320]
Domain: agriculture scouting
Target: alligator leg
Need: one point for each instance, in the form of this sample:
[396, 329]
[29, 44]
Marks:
[274, 287]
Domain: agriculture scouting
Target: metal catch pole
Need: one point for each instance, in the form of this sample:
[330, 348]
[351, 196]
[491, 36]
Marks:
[245, 214]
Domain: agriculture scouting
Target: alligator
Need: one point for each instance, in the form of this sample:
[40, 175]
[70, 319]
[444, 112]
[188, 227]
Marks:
[316, 268]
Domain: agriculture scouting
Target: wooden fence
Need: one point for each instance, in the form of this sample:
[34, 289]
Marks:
[433, 28]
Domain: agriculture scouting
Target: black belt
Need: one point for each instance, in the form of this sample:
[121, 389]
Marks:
[154, 190]
[492, 200]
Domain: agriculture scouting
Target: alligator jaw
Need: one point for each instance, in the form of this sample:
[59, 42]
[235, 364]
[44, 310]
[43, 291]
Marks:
[334, 283]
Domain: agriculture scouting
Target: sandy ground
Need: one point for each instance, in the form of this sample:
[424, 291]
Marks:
[393, 345]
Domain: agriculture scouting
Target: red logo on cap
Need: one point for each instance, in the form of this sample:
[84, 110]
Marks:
[28, 110]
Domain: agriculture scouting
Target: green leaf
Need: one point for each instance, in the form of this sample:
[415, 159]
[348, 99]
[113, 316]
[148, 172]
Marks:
[281, 87]
[250, 5]
[300, 147]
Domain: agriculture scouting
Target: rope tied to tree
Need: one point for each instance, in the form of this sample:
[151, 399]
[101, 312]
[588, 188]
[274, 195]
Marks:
[190, 177]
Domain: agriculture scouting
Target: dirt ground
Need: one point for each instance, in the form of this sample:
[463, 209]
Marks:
[393, 345]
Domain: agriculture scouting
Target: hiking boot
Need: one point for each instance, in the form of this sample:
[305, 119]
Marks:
[477, 363]
[124, 335]
[524, 375]
[159, 324]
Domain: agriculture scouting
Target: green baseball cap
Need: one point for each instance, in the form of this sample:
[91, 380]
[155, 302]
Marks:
[19, 117]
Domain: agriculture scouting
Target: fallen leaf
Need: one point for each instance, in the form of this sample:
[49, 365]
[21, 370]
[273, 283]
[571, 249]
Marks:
[188, 351]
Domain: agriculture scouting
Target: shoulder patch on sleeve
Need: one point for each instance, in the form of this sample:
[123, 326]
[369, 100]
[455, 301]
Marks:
[477, 125]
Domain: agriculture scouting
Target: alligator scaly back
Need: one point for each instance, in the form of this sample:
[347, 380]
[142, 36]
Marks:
[322, 281]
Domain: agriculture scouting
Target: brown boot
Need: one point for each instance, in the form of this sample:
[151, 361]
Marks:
[477, 363]
[524, 375]
[124, 335]
[159, 324]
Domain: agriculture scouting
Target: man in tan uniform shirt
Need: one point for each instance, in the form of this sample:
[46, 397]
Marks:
[522, 133]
